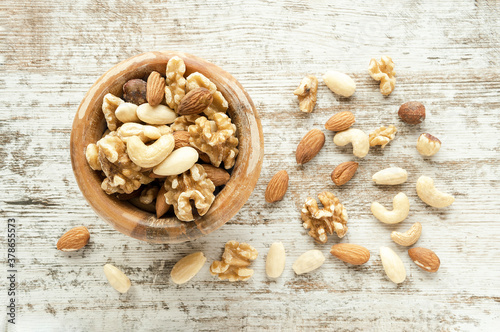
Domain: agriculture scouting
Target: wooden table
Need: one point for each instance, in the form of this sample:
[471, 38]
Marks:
[446, 55]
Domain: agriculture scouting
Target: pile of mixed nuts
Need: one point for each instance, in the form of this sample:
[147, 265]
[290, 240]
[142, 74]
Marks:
[332, 217]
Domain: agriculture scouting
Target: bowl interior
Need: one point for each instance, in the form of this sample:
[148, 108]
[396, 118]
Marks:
[89, 124]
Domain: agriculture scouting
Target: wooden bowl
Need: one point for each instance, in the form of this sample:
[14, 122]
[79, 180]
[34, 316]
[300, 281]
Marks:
[89, 125]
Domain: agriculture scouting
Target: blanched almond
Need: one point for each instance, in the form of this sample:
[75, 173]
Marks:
[116, 278]
[275, 262]
[393, 265]
[187, 267]
[308, 261]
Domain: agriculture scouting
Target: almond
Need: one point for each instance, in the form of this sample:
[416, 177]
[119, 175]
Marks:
[116, 278]
[181, 138]
[74, 239]
[412, 112]
[308, 261]
[195, 102]
[340, 121]
[309, 146]
[187, 267]
[219, 176]
[155, 90]
[393, 265]
[161, 204]
[344, 172]
[275, 261]
[425, 259]
[351, 253]
[277, 187]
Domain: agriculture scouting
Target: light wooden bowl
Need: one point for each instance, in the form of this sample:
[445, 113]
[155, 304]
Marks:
[89, 124]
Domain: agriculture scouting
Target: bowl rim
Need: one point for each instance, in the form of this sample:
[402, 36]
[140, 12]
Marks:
[143, 225]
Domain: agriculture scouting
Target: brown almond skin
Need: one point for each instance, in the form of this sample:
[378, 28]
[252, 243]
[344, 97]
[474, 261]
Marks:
[309, 146]
[277, 187]
[344, 172]
[412, 112]
[219, 176]
[195, 102]
[161, 205]
[425, 257]
[340, 121]
[74, 239]
[351, 253]
[155, 89]
[181, 139]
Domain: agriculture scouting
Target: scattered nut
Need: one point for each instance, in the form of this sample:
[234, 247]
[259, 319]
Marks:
[339, 83]
[401, 209]
[428, 145]
[277, 187]
[308, 261]
[116, 278]
[177, 162]
[340, 121]
[390, 176]
[344, 172]
[217, 175]
[235, 261]
[155, 89]
[187, 267]
[430, 195]
[350, 253]
[306, 92]
[309, 146]
[157, 115]
[74, 239]
[412, 112]
[382, 136]
[195, 102]
[383, 71]
[410, 237]
[275, 261]
[134, 91]
[393, 265]
[150, 155]
[425, 259]
[332, 218]
[360, 141]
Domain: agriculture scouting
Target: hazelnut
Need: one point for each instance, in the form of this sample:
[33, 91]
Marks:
[412, 112]
[428, 145]
[134, 91]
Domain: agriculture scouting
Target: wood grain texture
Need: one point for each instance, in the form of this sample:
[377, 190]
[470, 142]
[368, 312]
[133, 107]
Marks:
[447, 56]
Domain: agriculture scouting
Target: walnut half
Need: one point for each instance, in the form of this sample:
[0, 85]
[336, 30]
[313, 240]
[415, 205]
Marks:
[235, 261]
[382, 136]
[306, 92]
[383, 71]
[192, 185]
[332, 218]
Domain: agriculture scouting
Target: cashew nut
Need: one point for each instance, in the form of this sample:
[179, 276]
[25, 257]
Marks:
[430, 195]
[360, 141]
[144, 132]
[157, 115]
[126, 112]
[409, 237]
[390, 176]
[401, 208]
[149, 155]
[177, 162]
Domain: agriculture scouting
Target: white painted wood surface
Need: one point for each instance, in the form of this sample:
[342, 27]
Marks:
[446, 55]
